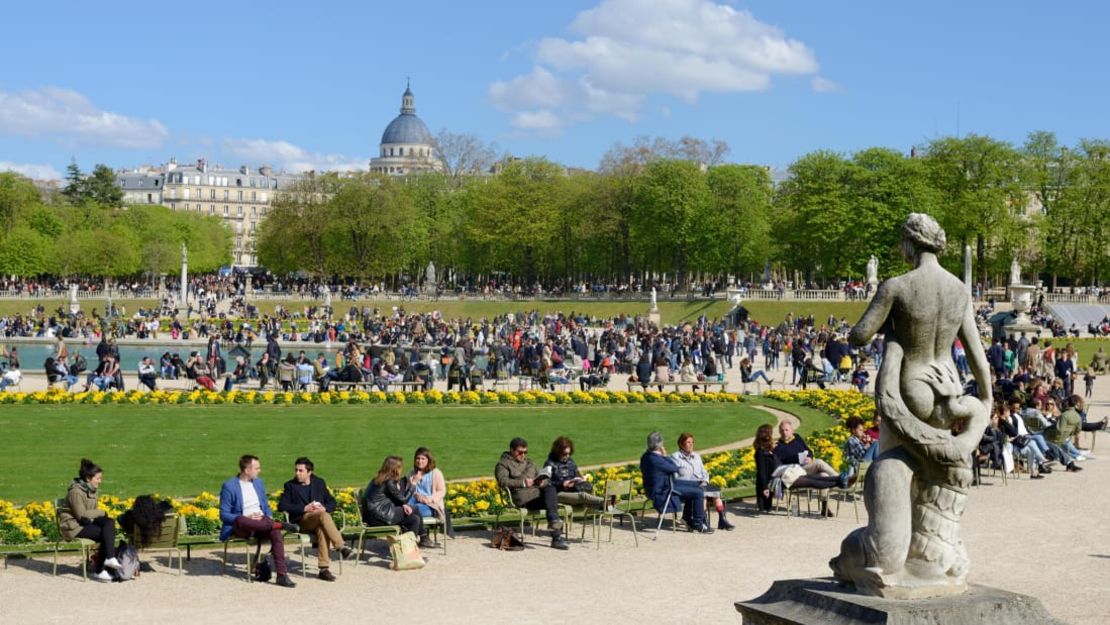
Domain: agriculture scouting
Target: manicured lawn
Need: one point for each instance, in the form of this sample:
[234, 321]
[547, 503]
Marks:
[9, 307]
[182, 451]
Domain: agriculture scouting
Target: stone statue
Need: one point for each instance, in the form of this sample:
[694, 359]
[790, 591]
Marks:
[430, 274]
[73, 305]
[916, 490]
[654, 303]
[873, 271]
[1015, 272]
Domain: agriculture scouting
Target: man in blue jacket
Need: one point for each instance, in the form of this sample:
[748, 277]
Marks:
[657, 468]
[245, 513]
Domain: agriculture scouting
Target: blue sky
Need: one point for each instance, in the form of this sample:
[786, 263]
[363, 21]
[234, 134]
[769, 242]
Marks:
[300, 86]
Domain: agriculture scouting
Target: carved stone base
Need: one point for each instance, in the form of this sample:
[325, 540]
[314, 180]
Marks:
[812, 601]
[655, 317]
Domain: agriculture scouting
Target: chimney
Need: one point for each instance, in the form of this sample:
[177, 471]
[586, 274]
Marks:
[202, 165]
[266, 170]
[172, 165]
[243, 169]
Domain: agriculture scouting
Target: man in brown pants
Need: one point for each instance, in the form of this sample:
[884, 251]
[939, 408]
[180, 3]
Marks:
[309, 503]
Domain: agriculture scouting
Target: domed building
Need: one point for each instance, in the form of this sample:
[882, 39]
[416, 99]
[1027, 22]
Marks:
[406, 146]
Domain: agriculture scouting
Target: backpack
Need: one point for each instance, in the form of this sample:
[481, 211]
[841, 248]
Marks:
[128, 564]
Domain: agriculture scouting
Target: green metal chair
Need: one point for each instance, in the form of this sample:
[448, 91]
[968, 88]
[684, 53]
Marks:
[510, 509]
[619, 492]
[248, 543]
[855, 491]
[364, 531]
[173, 528]
[85, 545]
[304, 540]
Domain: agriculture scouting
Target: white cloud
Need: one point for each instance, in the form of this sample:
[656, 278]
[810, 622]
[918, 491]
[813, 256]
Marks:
[70, 117]
[821, 84]
[293, 158]
[542, 119]
[34, 171]
[629, 50]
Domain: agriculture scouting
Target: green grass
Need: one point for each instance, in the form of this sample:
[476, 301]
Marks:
[10, 307]
[1085, 347]
[771, 313]
[670, 312]
[182, 451]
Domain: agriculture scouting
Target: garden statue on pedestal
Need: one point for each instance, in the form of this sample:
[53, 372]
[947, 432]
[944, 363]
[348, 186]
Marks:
[916, 490]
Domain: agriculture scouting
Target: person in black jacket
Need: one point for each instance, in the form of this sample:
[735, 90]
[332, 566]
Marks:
[765, 464]
[571, 488]
[309, 504]
[385, 501]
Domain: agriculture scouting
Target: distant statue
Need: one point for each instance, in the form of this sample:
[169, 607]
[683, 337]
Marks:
[1015, 272]
[873, 271]
[430, 274]
[654, 303]
[917, 489]
[73, 305]
[184, 254]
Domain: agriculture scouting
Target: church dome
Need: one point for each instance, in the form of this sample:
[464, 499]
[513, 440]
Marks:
[407, 128]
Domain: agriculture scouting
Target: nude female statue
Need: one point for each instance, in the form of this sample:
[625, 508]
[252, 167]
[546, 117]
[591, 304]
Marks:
[916, 490]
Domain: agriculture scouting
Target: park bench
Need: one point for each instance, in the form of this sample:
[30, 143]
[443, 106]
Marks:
[678, 385]
[410, 385]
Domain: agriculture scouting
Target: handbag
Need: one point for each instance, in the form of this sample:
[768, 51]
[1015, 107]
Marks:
[507, 539]
[404, 552]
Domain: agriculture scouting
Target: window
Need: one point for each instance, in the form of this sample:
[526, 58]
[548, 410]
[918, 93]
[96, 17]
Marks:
[264, 196]
[225, 211]
[254, 226]
[184, 194]
[211, 208]
[400, 151]
[239, 211]
[254, 196]
[211, 194]
[254, 211]
[149, 198]
[238, 182]
[225, 194]
[240, 193]
[173, 193]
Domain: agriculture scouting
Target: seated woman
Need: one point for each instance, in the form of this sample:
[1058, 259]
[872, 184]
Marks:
[82, 518]
[691, 469]
[686, 372]
[195, 370]
[570, 487]
[766, 463]
[856, 450]
[385, 501]
[429, 489]
[748, 376]
[148, 375]
[146, 516]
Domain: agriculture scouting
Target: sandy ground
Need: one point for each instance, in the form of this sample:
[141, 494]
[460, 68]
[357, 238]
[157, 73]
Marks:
[1044, 538]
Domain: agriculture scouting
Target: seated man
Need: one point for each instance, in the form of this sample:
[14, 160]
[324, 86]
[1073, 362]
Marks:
[657, 469]
[11, 377]
[147, 373]
[791, 449]
[245, 513]
[309, 503]
[516, 473]
[239, 375]
[692, 470]
[1060, 433]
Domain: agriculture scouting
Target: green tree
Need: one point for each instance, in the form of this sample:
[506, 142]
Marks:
[815, 215]
[672, 198]
[101, 187]
[979, 182]
[738, 227]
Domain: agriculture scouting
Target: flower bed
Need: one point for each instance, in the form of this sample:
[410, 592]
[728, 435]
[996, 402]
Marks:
[34, 522]
[433, 397]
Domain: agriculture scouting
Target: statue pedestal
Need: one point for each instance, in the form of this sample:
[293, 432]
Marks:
[805, 601]
[655, 317]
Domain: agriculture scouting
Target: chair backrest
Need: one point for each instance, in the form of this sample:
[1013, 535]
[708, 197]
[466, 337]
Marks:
[173, 526]
[620, 489]
[59, 505]
[507, 497]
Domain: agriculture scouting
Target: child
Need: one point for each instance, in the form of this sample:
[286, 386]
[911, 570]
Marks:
[1089, 378]
[860, 378]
